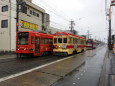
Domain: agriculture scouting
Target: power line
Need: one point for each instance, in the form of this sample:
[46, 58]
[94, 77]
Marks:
[58, 24]
[15, 9]
[52, 12]
[52, 9]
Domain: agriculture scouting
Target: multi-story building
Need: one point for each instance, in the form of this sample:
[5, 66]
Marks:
[19, 15]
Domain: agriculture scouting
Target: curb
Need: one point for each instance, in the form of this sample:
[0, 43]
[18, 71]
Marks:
[103, 76]
[7, 52]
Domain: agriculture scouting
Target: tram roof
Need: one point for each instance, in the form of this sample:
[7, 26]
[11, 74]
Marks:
[38, 33]
[66, 34]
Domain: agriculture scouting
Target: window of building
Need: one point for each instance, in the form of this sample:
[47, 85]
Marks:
[31, 12]
[4, 23]
[5, 8]
[37, 15]
[34, 13]
[24, 9]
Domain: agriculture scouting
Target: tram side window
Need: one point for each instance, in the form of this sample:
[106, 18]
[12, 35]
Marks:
[79, 41]
[59, 40]
[75, 40]
[64, 40]
[55, 40]
[70, 40]
[32, 40]
[46, 40]
[50, 41]
[42, 41]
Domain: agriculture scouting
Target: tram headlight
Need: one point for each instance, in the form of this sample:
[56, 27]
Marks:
[24, 48]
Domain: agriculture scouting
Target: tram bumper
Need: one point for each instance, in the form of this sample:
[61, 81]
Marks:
[60, 52]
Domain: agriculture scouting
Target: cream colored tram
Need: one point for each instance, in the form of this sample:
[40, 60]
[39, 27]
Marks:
[66, 44]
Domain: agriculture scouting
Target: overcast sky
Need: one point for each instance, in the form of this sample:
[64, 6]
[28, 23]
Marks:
[87, 14]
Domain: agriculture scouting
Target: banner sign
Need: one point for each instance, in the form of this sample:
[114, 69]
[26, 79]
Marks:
[28, 25]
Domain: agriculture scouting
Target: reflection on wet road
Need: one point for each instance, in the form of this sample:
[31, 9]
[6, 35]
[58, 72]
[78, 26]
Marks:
[89, 73]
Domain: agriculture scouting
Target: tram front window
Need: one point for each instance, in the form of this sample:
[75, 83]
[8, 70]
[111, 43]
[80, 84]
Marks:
[89, 42]
[59, 40]
[23, 38]
[64, 40]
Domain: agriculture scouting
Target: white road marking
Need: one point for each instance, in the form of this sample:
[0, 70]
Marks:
[7, 58]
[74, 83]
[33, 69]
[78, 78]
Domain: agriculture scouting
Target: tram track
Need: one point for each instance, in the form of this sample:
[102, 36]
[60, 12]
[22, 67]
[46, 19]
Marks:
[15, 65]
[18, 65]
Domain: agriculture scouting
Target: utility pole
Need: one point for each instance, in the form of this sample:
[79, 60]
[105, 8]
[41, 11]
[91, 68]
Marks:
[20, 3]
[109, 38]
[17, 15]
[72, 24]
[88, 34]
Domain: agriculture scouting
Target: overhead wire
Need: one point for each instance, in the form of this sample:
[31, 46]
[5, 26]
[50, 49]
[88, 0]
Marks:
[53, 9]
[21, 19]
[52, 12]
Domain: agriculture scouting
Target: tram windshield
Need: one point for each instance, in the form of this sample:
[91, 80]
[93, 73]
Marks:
[60, 40]
[64, 40]
[23, 38]
[89, 42]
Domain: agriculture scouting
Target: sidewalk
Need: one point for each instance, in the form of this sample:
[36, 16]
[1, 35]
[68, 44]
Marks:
[108, 70]
[8, 55]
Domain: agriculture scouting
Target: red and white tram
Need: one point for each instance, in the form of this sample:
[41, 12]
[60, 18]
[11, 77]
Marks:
[66, 43]
[91, 44]
[34, 43]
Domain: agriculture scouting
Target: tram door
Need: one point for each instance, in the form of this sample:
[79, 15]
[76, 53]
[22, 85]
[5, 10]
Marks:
[36, 44]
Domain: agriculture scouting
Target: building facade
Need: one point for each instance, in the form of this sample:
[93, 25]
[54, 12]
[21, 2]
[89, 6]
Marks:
[28, 17]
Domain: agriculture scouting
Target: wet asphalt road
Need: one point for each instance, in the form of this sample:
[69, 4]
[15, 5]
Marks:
[15, 65]
[89, 73]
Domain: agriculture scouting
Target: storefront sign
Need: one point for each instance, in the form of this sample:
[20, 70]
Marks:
[28, 25]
